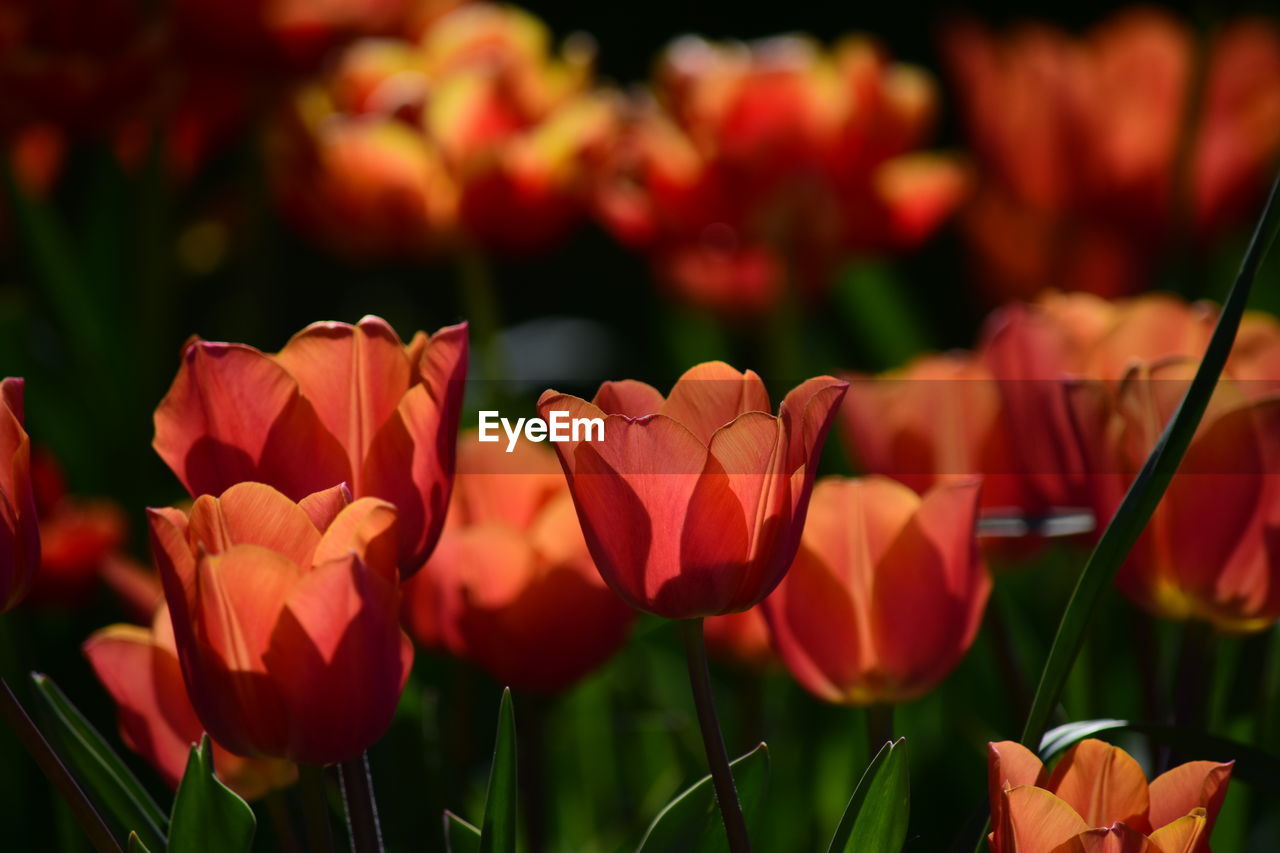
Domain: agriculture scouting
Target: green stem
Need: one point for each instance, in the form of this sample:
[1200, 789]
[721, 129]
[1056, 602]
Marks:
[479, 299]
[1268, 722]
[56, 772]
[278, 811]
[315, 808]
[879, 729]
[695, 649]
[360, 805]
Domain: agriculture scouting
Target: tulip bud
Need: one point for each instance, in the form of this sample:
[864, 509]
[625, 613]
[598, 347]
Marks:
[19, 525]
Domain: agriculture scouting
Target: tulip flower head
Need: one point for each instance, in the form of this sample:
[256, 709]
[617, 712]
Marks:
[886, 593]
[511, 586]
[692, 504]
[339, 404]
[139, 668]
[285, 618]
[19, 525]
[1097, 800]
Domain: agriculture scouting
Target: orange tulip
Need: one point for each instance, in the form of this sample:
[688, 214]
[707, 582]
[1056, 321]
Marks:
[285, 619]
[139, 668]
[511, 586]
[1097, 800]
[339, 404]
[1207, 552]
[19, 525]
[753, 165]
[886, 592]
[692, 505]
[741, 639]
[1084, 148]
[479, 134]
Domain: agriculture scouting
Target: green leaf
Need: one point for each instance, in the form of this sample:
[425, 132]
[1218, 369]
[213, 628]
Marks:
[460, 836]
[136, 845]
[876, 817]
[1148, 487]
[877, 305]
[106, 778]
[692, 821]
[207, 815]
[1253, 765]
[498, 829]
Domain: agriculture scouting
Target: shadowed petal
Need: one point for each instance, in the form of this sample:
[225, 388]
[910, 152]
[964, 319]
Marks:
[712, 394]
[1009, 765]
[1103, 784]
[1039, 822]
[1196, 784]
[1187, 834]
[366, 528]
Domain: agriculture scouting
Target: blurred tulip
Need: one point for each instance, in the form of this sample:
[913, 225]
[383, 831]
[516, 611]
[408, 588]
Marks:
[759, 167]
[479, 134]
[740, 639]
[1208, 552]
[339, 404]
[692, 505]
[511, 587]
[1097, 800]
[19, 523]
[886, 592]
[137, 587]
[1090, 177]
[77, 537]
[285, 617]
[139, 668]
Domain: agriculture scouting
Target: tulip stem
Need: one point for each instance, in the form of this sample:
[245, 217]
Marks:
[315, 808]
[695, 649]
[362, 808]
[879, 728]
[56, 772]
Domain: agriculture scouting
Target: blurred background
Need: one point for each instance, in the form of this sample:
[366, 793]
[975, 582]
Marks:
[608, 192]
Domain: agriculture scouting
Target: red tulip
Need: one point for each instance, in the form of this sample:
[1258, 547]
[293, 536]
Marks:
[19, 525]
[511, 586]
[1090, 177]
[285, 617]
[757, 165]
[339, 404]
[139, 668]
[692, 505]
[1097, 800]
[886, 592]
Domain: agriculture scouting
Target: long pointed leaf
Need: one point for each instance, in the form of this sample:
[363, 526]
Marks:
[1148, 487]
[207, 815]
[498, 829]
[108, 780]
[876, 817]
[460, 836]
[692, 822]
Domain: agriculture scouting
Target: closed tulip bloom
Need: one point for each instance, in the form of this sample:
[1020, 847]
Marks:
[285, 617]
[511, 586]
[1097, 800]
[139, 668]
[692, 504]
[339, 404]
[886, 592]
[19, 525]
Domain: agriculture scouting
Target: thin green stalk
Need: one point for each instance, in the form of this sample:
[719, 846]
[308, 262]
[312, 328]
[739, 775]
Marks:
[56, 772]
[361, 806]
[315, 808]
[695, 649]
[278, 811]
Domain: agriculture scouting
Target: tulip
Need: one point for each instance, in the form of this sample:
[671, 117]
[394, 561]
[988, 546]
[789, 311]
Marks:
[741, 639]
[886, 592]
[339, 404]
[139, 668]
[1098, 800]
[19, 525]
[692, 505]
[1091, 179]
[511, 586]
[285, 619]
[757, 167]
[1207, 553]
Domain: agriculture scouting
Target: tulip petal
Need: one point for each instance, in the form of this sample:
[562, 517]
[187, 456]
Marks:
[145, 680]
[576, 407]
[1186, 834]
[323, 507]
[366, 528]
[807, 412]
[354, 376]
[1009, 765]
[1039, 822]
[511, 488]
[339, 659]
[1117, 838]
[628, 397]
[1103, 784]
[234, 415]
[1196, 784]
[252, 514]
[710, 395]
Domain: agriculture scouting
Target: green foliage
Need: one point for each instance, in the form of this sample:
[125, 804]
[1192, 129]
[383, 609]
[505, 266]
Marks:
[692, 821]
[877, 814]
[207, 815]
